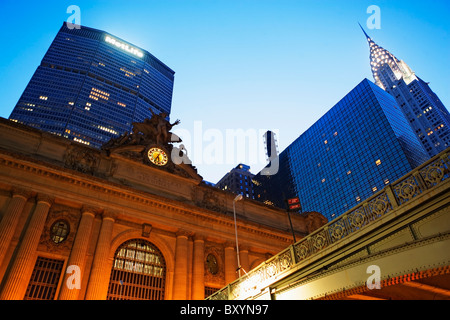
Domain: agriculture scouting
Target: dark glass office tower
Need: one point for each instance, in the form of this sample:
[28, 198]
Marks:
[358, 147]
[91, 86]
[425, 112]
[238, 181]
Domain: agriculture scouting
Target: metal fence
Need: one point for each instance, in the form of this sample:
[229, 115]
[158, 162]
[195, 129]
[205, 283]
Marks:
[421, 179]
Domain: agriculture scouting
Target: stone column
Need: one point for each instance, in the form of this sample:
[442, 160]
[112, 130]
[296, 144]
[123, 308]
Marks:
[78, 253]
[22, 268]
[10, 219]
[198, 270]
[245, 264]
[97, 286]
[181, 260]
[230, 263]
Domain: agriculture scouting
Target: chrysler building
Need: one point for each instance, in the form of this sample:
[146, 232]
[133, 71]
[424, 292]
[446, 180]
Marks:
[427, 115]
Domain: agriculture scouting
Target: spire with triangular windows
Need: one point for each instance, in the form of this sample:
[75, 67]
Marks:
[380, 58]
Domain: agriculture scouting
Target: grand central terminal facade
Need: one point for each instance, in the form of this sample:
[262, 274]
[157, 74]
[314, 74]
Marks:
[128, 221]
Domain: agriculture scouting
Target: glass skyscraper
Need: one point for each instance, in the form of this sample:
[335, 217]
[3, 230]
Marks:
[91, 86]
[358, 147]
[425, 112]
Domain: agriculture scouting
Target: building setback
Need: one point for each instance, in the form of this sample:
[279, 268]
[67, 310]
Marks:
[91, 86]
[358, 147]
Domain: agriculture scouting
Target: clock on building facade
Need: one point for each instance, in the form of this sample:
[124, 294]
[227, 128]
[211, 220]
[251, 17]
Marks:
[158, 156]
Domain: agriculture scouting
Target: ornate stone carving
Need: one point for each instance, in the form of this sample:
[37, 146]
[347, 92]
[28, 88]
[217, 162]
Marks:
[45, 198]
[81, 159]
[110, 214]
[146, 229]
[208, 199]
[184, 233]
[94, 210]
[26, 194]
[155, 130]
[72, 218]
[149, 134]
[219, 254]
[314, 220]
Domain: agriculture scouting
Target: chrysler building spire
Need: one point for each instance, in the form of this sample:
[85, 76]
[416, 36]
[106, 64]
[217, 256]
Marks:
[381, 58]
[426, 114]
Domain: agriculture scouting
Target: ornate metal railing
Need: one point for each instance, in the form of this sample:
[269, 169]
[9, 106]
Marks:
[421, 179]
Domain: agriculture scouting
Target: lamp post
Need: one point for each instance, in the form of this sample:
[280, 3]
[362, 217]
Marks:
[238, 197]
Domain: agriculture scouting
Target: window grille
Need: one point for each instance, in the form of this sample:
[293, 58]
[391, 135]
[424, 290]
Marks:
[44, 280]
[138, 272]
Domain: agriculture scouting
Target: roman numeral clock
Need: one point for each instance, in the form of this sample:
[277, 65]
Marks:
[158, 156]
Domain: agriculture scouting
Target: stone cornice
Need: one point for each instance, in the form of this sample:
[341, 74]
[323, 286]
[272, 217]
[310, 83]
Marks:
[115, 190]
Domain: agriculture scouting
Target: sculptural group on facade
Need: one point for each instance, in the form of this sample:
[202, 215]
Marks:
[155, 130]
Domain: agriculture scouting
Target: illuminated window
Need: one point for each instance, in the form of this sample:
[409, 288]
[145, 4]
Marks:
[358, 199]
[59, 231]
[138, 272]
[349, 172]
[81, 141]
[107, 129]
[127, 73]
[326, 141]
[323, 180]
[378, 162]
[96, 93]
[121, 104]
[374, 189]
[43, 97]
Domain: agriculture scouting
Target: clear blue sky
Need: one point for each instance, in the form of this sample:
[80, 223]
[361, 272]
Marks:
[241, 64]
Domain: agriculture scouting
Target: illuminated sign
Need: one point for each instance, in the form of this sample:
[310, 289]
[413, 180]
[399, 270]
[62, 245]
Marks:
[294, 204]
[124, 46]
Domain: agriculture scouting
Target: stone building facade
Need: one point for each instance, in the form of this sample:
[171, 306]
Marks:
[86, 224]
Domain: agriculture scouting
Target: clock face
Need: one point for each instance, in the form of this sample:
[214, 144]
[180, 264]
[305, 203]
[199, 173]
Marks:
[211, 263]
[158, 156]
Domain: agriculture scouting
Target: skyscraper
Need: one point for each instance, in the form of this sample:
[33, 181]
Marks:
[358, 147]
[91, 86]
[238, 181]
[426, 114]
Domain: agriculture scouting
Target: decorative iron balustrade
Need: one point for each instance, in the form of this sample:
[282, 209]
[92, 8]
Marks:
[425, 177]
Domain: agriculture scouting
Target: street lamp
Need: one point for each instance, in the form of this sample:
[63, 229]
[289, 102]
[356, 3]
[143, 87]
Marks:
[238, 197]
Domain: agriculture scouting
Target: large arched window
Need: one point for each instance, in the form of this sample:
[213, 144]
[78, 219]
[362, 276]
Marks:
[138, 272]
